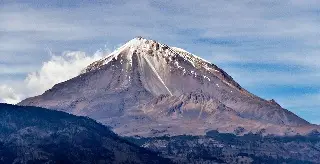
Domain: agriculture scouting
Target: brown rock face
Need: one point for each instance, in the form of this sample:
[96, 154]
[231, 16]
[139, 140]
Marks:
[147, 88]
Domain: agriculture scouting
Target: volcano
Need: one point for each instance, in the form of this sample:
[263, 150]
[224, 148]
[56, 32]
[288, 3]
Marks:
[146, 88]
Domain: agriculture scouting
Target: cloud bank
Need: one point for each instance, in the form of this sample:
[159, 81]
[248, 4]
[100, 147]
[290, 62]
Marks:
[8, 95]
[58, 69]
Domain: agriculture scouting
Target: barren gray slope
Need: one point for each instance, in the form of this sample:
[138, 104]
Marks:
[141, 89]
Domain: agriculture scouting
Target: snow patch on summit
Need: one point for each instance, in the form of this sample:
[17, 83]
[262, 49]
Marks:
[141, 45]
[158, 54]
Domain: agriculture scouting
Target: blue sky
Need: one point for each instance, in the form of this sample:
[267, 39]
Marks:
[271, 48]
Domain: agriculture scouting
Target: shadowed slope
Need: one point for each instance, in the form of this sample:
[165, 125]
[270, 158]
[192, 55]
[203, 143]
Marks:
[37, 135]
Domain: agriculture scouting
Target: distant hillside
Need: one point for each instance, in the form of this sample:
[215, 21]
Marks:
[251, 148]
[37, 135]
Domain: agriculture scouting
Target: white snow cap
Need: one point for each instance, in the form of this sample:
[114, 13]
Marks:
[142, 44]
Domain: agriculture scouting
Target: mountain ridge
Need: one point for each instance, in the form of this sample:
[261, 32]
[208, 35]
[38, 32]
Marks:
[37, 135]
[115, 89]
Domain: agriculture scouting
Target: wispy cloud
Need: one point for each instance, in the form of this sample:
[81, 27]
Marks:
[309, 60]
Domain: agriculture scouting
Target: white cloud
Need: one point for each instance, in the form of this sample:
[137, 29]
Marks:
[8, 95]
[58, 69]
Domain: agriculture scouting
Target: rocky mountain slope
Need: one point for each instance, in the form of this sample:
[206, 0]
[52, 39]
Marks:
[147, 88]
[37, 135]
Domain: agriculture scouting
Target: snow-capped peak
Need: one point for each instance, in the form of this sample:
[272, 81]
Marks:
[145, 47]
[140, 44]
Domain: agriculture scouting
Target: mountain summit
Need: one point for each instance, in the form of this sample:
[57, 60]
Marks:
[147, 88]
